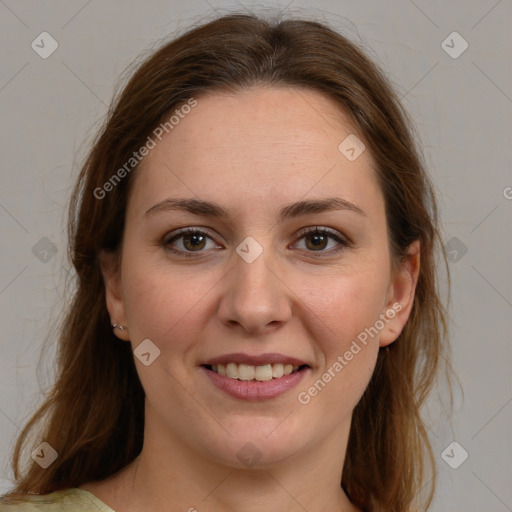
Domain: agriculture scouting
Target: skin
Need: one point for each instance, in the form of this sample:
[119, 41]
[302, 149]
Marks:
[252, 152]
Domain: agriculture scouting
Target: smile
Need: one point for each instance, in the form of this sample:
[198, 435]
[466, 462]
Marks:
[249, 372]
[255, 383]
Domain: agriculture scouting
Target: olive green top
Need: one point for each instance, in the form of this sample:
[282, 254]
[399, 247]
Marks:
[68, 500]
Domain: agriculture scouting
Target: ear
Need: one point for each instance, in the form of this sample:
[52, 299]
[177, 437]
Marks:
[400, 297]
[111, 271]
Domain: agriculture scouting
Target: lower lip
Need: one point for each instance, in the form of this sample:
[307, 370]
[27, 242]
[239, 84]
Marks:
[253, 389]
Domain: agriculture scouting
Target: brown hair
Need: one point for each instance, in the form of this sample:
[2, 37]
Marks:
[95, 411]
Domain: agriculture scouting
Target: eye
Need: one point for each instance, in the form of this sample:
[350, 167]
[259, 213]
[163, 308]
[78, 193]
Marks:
[317, 239]
[192, 240]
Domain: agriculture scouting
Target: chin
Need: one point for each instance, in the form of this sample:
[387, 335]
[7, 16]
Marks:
[258, 445]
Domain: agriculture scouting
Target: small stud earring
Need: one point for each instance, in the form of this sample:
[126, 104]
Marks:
[120, 327]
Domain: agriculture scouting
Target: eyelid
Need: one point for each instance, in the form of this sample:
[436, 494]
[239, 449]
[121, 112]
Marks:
[178, 233]
[334, 233]
[342, 240]
[188, 230]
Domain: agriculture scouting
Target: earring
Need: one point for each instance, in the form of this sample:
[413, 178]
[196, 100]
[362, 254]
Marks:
[120, 327]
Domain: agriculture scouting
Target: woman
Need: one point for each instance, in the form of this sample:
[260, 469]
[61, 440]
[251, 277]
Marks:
[256, 322]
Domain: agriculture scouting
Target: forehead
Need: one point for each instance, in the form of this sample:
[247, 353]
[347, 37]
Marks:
[261, 144]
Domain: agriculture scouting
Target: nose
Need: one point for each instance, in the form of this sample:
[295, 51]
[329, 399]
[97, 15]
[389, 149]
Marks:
[255, 297]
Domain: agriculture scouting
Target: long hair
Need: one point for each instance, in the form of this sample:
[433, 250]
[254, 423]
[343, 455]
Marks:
[94, 414]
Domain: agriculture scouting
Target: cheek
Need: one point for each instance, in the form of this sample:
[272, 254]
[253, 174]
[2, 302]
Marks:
[347, 352]
[345, 304]
[165, 304]
[348, 307]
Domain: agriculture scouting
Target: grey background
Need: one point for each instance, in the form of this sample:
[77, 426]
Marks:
[50, 109]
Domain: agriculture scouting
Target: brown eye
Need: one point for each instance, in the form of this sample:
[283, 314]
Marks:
[188, 241]
[194, 241]
[317, 240]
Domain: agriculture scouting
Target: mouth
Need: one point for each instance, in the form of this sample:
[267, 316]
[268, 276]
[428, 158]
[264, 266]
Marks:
[248, 382]
[255, 377]
[260, 373]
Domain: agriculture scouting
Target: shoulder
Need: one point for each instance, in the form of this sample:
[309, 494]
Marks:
[67, 500]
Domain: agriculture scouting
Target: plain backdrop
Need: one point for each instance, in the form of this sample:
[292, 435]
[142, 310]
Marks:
[460, 99]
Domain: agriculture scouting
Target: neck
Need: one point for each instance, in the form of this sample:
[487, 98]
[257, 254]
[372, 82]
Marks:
[169, 475]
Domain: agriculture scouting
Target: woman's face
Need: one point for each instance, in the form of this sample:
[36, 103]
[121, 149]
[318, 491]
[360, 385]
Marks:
[252, 282]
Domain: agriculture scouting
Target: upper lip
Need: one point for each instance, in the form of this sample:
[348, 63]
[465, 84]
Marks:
[256, 360]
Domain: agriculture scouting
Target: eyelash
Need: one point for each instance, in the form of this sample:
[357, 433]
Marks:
[344, 243]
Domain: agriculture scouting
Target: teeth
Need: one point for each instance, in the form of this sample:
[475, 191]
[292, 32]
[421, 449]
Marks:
[263, 372]
[232, 371]
[277, 370]
[248, 372]
[245, 372]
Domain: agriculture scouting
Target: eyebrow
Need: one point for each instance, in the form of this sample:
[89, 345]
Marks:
[210, 209]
